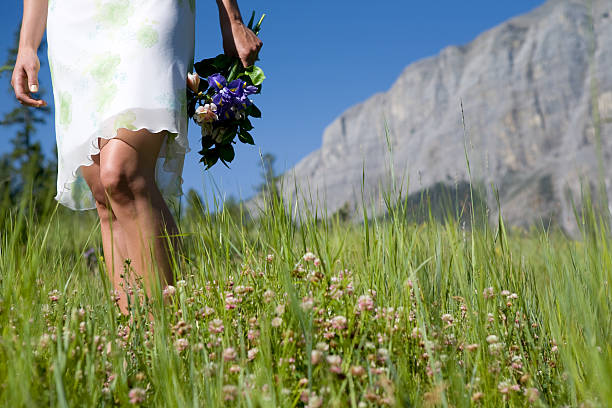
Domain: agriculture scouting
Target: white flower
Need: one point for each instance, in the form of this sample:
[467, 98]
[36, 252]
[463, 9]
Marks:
[309, 257]
[205, 114]
[492, 339]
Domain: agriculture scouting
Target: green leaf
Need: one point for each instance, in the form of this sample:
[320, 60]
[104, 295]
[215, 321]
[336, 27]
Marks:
[251, 21]
[246, 124]
[220, 64]
[254, 111]
[245, 137]
[256, 75]
[210, 158]
[226, 152]
[257, 28]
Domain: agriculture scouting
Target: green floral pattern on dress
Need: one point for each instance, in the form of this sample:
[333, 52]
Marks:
[114, 12]
[65, 108]
[148, 36]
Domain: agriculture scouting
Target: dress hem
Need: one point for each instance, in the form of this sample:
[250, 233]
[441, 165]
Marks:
[180, 147]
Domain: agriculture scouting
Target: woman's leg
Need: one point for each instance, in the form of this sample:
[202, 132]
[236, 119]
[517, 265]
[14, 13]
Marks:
[127, 174]
[113, 240]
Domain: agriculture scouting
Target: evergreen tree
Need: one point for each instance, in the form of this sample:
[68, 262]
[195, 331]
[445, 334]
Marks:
[24, 170]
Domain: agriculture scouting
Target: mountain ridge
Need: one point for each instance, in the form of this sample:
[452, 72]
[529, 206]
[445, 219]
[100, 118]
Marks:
[526, 90]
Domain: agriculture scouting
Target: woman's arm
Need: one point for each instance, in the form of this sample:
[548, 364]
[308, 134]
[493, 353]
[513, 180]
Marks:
[25, 73]
[238, 40]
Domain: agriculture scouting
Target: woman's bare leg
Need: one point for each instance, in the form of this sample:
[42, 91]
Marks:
[113, 239]
[127, 174]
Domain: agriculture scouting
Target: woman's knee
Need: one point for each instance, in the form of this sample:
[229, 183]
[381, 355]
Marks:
[123, 183]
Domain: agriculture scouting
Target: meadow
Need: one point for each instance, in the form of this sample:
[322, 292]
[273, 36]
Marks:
[315, 313]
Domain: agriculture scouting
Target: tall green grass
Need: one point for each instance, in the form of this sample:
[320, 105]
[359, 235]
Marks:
[274, 312]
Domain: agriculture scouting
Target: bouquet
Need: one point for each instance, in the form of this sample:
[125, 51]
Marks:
[220, 103]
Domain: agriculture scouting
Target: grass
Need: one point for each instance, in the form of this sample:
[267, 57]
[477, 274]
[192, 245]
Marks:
[387, 312]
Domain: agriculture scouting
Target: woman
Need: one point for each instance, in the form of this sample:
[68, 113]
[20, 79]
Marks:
[119, 71]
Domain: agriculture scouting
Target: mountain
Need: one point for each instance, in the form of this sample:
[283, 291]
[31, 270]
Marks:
[528, 88]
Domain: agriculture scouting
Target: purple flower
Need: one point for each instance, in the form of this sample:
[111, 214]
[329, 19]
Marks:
[217, 81]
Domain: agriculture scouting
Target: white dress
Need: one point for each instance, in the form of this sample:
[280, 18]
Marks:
[119, 64]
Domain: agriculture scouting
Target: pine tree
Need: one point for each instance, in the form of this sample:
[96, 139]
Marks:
[24, 170]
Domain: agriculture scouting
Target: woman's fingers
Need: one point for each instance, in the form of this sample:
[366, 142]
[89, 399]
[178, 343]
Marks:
[247, 45]
[25, 81]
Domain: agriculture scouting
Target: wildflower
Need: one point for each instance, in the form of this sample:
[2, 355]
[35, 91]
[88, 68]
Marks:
[229, 392]
[280, 309]
[276, 322]
[216, 326]
[314, 401]
[44, 341]
[505, 292]
[448, 319]
[339, 322]
[169, 291]
[334, 360]
[229, 354]
[383, 354]
[268, 295]
[137, 396]
[193, 81]
[269, 258]
[365, 302]
[307, 303]
[532, 394]
[357, 371]
[230, 301]
[316, 262]
[322, 346]
[492, 339]
[477, 396]
[181, 345]
[309, 257]
[488, 293]
[253, 334]
[54, 295]
[315, 357]
[234, 369]
[252, 353]
[471, 347]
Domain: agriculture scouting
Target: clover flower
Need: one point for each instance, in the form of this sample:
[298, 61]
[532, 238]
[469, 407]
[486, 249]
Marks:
[339, 322]
[168, 291]
[229, 392]
[229, 354]
[365, 302]
[492, 339]
[252, 353]
[137, 396]
[181, 345]
[448, 319]
[309, 257]
[216, 326]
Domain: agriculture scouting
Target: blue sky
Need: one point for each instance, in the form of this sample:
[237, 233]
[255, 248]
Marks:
[320, 57]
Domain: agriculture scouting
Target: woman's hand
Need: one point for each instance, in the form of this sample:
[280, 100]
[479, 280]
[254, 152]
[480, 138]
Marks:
[238, 40]
[25, 78]
[243, 44]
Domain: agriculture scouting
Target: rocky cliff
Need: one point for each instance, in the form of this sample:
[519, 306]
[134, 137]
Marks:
[537, 96]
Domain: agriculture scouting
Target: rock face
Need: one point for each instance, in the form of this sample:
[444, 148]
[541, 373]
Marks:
[529, 88]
